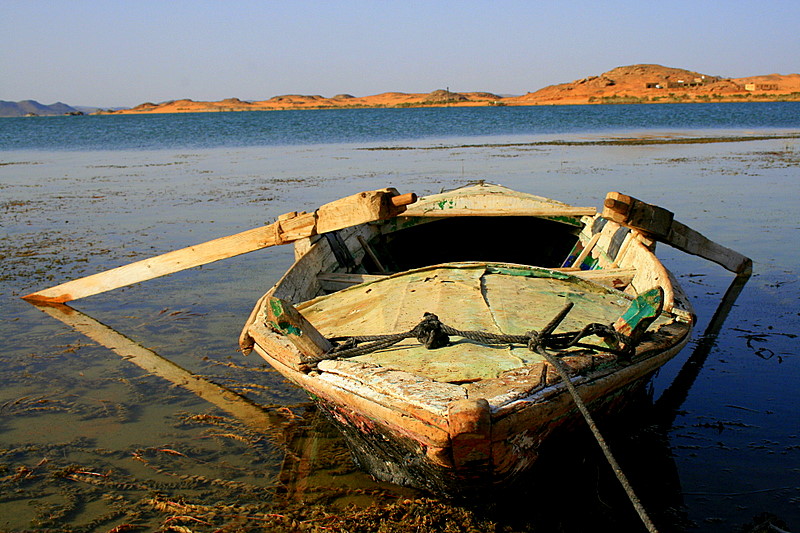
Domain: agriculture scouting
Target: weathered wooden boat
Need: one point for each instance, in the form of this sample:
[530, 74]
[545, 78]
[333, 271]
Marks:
[449, 337]
[438, 337]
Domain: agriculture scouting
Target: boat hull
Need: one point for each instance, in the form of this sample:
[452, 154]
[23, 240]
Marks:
[403, 461]
[395, 446]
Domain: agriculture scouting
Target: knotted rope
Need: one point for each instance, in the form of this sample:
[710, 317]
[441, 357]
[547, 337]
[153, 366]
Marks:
[432, 333]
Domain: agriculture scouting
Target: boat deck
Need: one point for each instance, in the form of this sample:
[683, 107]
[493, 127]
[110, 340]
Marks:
[500, 299]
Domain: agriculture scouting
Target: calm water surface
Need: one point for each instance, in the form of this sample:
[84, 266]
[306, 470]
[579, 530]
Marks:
[97, 432]
[273, 128]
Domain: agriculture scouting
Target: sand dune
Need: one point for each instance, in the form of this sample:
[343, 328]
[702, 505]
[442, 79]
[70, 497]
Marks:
[629, 84]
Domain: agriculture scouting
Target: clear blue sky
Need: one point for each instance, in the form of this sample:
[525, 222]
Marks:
[122, 53]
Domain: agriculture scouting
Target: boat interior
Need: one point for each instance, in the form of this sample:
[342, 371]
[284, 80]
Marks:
[592, 248]
[522, 240]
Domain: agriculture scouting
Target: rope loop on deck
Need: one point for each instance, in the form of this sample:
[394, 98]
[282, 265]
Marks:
[433, 333]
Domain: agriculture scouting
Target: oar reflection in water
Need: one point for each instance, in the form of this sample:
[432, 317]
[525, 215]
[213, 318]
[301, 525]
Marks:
[238, 406]
[306, 440]
[668, 405]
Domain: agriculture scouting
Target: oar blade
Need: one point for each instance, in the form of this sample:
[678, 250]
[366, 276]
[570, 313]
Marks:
[659, 224]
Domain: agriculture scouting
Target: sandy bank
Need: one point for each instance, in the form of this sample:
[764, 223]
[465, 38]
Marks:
[622, 85]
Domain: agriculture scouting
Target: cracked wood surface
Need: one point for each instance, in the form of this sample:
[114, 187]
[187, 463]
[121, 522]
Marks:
[504, 300]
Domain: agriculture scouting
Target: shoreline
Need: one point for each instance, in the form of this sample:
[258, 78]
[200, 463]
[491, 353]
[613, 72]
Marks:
[601, 142]
[215, 107]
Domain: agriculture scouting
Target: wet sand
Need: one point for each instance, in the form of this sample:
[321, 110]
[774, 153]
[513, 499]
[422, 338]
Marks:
[91, 440]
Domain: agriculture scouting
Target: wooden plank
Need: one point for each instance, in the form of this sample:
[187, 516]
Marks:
[283, 318]
[398, 421]
[617, 278]
[546, 211]
[658, 223]
[335, 281]
[350, 211]
[510, 385]
[492, 200]
[586, 251]
[403, 386]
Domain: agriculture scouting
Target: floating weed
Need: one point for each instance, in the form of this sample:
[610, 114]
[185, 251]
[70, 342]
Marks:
[32, 404]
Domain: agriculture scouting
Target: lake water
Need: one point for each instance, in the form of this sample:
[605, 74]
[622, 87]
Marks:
[273, 128]
[99, 432]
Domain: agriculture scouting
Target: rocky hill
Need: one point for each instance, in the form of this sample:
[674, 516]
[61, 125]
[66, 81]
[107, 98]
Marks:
[645, 83]
[629, 84]
[440, 97]
[656, 83]
[33, 108]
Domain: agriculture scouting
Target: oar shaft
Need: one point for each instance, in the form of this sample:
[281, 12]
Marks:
[659, 224]
[346, 212]
[161, 265]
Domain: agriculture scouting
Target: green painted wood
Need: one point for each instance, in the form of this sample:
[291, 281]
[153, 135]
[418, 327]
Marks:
[644, 309]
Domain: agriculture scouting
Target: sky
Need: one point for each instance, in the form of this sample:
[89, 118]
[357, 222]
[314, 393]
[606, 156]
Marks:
[114, 53]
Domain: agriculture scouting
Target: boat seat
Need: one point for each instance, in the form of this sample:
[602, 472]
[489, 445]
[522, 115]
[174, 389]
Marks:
[616, 278]
[336, 281]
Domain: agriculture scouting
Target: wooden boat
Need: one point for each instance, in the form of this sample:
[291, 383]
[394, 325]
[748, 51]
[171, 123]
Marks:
[472, 272]
[450, 338]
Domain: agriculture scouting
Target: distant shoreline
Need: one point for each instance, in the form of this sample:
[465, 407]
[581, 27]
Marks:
[217, 107]
[600, 142]
[634, 84]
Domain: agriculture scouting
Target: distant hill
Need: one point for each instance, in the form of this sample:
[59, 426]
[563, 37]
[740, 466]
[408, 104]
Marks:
[632, 84]
[34, 108]
[655, 83]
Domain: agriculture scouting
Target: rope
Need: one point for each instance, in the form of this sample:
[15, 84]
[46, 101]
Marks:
[637, 504]
[432, 333]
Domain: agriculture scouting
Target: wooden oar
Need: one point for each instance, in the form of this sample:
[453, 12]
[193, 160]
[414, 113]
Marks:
[658, 223]
[350, 211]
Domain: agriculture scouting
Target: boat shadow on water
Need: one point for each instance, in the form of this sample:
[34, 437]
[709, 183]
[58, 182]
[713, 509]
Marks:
[571, 487]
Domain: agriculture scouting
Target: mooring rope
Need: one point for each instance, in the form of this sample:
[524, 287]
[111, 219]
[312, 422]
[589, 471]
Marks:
[623, 479]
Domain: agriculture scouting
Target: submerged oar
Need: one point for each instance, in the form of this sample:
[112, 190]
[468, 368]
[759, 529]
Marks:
[346, 212]
[658, 224]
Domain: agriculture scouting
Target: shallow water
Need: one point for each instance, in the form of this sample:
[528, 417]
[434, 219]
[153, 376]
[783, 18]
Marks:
[91, 440]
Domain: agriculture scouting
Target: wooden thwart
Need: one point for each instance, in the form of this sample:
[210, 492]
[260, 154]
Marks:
[350, 211]
[659, 224]
[336, 281]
